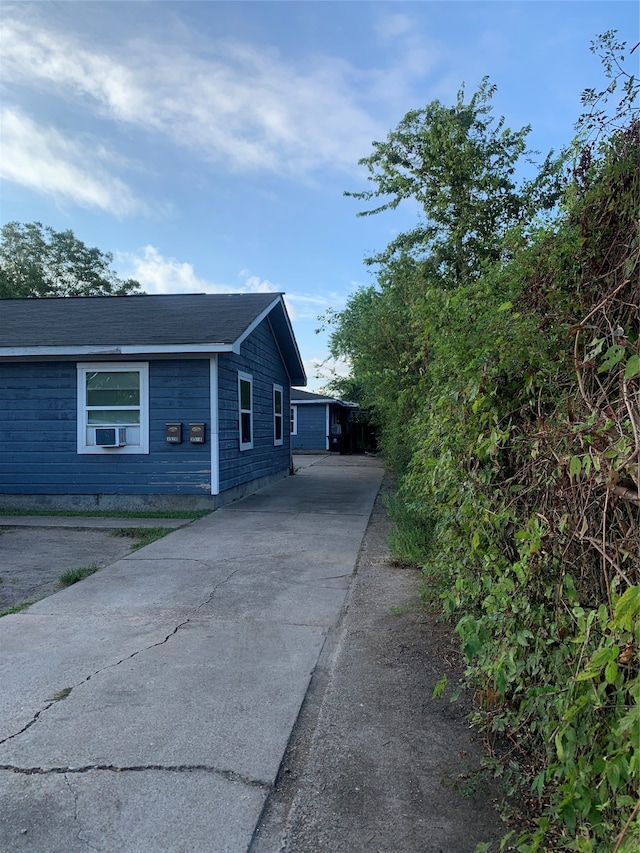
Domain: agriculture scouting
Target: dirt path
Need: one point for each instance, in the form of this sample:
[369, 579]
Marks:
[375, 764]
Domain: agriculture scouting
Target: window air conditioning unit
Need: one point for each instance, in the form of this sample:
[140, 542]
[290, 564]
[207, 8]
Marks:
[111, 436]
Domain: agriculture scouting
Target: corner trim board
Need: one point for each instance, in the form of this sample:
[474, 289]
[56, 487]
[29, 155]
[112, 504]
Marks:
[215, 430]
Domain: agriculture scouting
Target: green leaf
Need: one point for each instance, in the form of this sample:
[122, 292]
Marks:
[633, 367]
[440, 687]
[613, 356]
[575, 466]
[537, 786]
[506, 306]
[604, 656]
[610, 672]
[627, 609]
[613, 774]
[595, 348]
[586, 675]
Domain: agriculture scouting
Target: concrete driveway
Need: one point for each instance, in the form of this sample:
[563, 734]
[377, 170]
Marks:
[148, 708]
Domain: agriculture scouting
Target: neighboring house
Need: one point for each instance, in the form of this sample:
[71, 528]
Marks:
[319, 423]
[144, 400]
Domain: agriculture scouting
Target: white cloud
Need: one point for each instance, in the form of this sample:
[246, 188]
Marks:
[306, 307]
[159, 274]
[394, 25]
[419, 54]
[254, 284]
[320, 371]
[236, 104]
[33, 54]
[42, 159]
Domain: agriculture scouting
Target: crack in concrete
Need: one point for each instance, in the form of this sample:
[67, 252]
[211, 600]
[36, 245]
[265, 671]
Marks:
[31, 722]
[137, 559]
[75, 799]
[62, 694]
[76, 818]
[208, 564]
[229, 775]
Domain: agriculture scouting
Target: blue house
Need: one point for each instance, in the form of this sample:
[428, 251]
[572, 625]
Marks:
[319, 423]
[151, 401]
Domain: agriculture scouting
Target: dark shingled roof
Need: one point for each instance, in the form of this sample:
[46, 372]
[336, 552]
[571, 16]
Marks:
[309, 397]
[110, 322]
[191, 318]
[298, 396]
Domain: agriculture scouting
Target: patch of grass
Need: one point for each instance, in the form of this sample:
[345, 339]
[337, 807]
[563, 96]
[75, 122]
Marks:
[405, 607]
[16, 608]
[192, 514]
[74, 575]
[410, 534]
[144, 535]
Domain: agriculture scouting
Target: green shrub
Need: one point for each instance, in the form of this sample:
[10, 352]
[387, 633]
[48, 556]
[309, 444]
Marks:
[507, 394]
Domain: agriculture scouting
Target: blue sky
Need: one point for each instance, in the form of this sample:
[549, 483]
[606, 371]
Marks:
[207, 145]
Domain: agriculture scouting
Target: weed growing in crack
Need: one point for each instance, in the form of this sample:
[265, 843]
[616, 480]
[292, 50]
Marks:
[74, 575]
[16, 608]
[144, 535]
[62, 694]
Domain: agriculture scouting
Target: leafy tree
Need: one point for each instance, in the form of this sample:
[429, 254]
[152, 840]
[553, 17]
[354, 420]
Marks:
[36, 261]
[379, 334]
[459, 164]
[622, 89]
[503, 367]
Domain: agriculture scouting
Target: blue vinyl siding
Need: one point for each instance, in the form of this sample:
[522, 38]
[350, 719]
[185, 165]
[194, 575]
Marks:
[312, 427]
[38, 454]
[260, 357]
[38, 427]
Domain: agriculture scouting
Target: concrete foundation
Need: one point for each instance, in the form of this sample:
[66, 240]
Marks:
[133, 503]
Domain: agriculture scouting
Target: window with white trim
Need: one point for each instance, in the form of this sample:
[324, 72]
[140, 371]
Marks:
[278, 415]
[245, 404]
[294, 420]
[113, 407]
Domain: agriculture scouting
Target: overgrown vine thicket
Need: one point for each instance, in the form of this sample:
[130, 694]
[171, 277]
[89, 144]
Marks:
[506, 385]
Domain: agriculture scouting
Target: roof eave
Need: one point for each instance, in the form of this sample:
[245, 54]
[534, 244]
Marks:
[290, 352]
[111, 350]
[322, 401]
